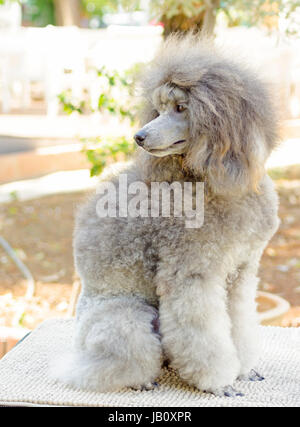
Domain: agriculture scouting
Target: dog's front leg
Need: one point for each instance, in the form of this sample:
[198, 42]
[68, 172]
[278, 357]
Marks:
[196, 332]
[242, 310]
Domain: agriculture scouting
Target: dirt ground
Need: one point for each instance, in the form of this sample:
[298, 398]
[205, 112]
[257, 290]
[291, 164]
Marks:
[41, 233]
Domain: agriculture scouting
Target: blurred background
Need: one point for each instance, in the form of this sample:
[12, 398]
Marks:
[68, 108]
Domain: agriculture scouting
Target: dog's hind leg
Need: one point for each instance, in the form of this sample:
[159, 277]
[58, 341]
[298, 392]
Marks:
[116, 345]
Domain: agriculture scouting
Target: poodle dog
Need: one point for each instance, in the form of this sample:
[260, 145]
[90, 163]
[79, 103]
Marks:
[154, 289]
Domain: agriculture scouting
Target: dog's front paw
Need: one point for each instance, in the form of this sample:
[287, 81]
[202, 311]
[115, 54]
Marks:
[145, 387]
[227, 391]
[251, 376]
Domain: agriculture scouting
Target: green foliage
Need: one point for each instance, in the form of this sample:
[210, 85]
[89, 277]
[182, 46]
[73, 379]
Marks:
[8, 1]
[69, 104]
[171, 8]
[114, 99]
[113, 149]
[120, 84]
[114, 88]
[254, 12]
[238, 12]
[39, 12]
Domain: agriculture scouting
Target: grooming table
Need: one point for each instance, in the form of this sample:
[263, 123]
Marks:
[24, 379]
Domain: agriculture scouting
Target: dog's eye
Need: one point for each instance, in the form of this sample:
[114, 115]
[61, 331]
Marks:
[180, 108]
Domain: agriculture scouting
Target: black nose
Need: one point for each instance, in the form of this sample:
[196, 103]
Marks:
[139, 137]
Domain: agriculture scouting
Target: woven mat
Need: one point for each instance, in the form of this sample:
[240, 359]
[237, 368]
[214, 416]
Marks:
[24, 376]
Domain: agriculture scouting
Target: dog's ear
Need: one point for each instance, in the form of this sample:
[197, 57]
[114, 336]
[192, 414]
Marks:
[231, 167]
[233, 132]
[237, 166]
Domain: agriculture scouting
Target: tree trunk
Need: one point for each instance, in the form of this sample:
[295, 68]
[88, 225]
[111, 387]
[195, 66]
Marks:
[205, 21]
[210, 16]
[67, 12]
[181, 23]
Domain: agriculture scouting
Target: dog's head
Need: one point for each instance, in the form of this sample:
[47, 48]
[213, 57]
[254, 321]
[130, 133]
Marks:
[168, 133]
[215, 113]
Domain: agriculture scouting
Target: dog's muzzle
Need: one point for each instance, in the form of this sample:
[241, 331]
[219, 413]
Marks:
[140, 137]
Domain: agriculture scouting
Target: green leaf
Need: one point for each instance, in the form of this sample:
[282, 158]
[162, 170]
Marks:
[111, 80]
[96, 170]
